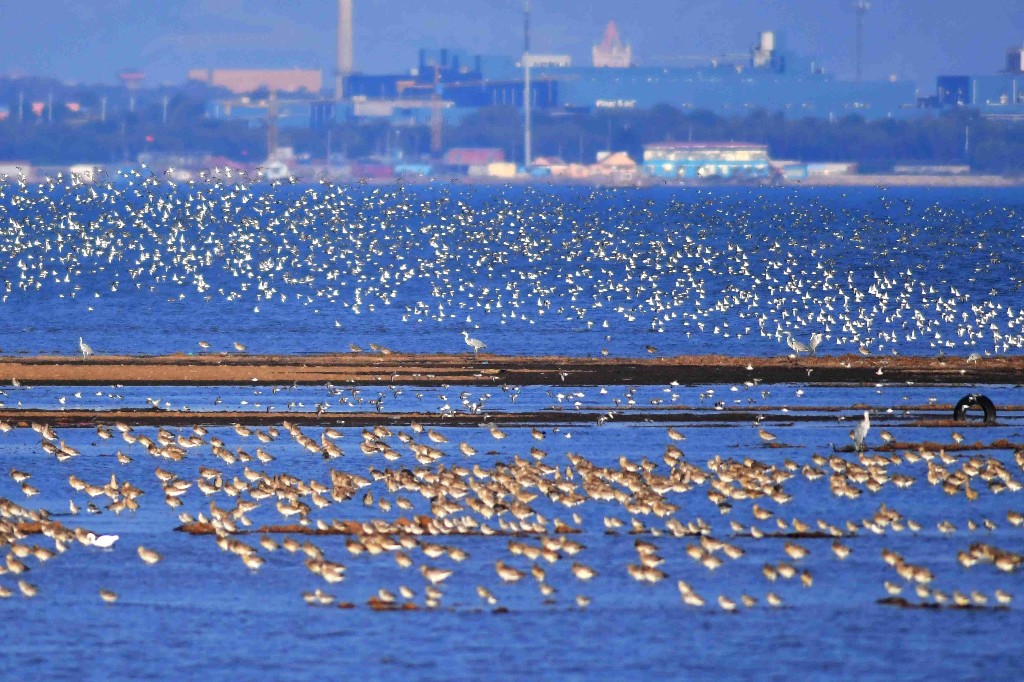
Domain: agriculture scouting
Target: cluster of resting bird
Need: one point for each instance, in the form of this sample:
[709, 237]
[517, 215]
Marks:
[729, 270]
[428, 506]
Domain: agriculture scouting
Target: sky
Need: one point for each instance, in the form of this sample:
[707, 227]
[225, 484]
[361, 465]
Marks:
[90, 40]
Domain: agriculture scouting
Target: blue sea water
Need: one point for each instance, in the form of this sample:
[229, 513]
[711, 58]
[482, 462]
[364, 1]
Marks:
[576, 272]
[200, 612]
[144, 267]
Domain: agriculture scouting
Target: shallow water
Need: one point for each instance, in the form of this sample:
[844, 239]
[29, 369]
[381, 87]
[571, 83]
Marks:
[201, 610]
[659, 262]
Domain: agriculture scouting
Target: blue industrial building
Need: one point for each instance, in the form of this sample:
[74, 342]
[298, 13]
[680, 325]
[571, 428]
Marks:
[996, 95]
[771, 79]
[1000, 93]
[467, 82]
[291, 113]
[731, 90]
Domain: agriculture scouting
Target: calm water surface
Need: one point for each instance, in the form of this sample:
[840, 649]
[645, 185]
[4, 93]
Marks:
[656, 272]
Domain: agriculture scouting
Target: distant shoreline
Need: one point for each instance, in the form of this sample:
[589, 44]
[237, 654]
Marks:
[852, 180]
[894, 180]
[307, 174]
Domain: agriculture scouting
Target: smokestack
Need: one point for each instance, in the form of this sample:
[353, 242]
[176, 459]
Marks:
[343, 65]
[526, 28]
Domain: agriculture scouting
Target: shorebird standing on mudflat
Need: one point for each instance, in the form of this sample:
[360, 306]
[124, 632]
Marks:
[475, 344]
[797, 346]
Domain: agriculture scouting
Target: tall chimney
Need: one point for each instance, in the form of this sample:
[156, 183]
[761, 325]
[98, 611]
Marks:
[343, 66]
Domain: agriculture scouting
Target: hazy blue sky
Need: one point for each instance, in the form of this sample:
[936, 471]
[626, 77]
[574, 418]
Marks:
[89, 40]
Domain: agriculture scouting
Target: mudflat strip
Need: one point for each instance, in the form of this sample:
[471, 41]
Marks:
[467, 370]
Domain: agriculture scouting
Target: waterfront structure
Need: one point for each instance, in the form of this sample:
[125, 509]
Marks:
[706, 160]
[615, 167]
[473, 156]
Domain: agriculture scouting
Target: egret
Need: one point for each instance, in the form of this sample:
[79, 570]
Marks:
[475, 344]
[861, 432]
[797, 346]
[814, 342]
[84, 347]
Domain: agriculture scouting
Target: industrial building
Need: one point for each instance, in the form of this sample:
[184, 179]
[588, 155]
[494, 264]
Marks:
[770, 78]
[448, 83]
[705, 160]
[242, 81]
[463, 81]
[997, 94]
[287, 113]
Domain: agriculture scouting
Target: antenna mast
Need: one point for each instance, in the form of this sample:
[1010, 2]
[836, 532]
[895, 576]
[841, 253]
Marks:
[436, 124]
[527, 91]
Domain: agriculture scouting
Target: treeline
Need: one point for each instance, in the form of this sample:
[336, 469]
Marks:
[950, 137]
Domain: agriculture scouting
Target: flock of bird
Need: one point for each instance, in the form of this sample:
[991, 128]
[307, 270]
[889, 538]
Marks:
[434, 502]
[740, 273]
[415, 499]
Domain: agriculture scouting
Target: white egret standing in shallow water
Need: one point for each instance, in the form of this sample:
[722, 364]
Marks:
[475, 344]
[861, 432]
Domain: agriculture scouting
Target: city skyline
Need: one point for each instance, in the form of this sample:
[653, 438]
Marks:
[91, 42]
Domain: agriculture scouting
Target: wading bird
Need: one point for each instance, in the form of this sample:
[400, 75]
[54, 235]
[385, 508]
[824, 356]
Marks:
[475, 344]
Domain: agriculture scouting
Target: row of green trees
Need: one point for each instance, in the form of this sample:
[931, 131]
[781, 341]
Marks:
[951, 137]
